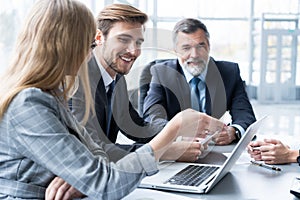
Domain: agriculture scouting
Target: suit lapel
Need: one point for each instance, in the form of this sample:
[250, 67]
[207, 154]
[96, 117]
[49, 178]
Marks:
[98, 90]
[171, 77]
[184, 93]
[101, 104]
[215, 91]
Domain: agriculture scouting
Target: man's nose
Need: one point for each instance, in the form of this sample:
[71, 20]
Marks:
[133, 48]
[194, 52]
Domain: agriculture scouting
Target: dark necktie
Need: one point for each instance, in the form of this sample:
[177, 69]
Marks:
[195, 94]
[109, 106]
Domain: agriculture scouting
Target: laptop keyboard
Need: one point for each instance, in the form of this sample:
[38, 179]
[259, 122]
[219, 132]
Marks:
[192, 175]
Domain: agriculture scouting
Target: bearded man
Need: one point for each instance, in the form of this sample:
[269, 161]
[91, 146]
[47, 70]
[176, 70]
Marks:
[195, 80]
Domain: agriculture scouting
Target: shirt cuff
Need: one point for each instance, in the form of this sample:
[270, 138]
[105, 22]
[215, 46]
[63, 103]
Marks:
[240, 128]
[147, 159]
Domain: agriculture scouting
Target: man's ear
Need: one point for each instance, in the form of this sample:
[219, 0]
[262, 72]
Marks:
[99, 38]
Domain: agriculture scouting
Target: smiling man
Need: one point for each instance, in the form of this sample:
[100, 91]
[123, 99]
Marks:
[120, 34]
[119, 38]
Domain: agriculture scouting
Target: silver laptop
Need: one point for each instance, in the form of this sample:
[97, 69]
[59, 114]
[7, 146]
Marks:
[194, 177]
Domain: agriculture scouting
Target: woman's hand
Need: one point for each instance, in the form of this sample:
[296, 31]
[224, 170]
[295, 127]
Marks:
[189, 123]
[59, 189]
[185, 150]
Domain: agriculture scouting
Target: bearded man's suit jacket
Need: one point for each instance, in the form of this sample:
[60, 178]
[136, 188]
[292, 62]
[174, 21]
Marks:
[169, 92]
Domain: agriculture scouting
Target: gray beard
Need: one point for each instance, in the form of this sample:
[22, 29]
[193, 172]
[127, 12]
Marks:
[195, 70]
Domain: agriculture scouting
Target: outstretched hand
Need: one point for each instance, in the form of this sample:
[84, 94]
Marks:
[185, 150]
[188, 123]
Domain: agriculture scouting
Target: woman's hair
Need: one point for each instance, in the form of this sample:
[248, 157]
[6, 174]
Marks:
[119, 13]
[55, 42]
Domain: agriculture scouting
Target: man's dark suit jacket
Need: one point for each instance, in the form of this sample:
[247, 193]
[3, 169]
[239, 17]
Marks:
[124, 117]
[169, 92]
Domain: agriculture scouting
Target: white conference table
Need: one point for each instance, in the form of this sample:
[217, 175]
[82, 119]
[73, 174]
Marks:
[244, 181]
[248, 181]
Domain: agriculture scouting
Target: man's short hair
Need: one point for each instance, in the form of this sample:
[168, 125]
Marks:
[188, 25]
[119, 13]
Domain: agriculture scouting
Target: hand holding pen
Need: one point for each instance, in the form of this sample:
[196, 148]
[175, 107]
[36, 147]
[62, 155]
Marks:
[253, 149]
[270, 151]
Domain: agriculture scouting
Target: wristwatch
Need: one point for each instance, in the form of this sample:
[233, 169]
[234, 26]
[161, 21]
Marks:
[298, 158]
[237, 133]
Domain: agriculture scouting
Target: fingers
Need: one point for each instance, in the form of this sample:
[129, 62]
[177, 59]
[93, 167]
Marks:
[215, 125]
[255, 145]
[274, 142]
[72, 193]
[271, 141]
[209, 137]
[224, 138]
[190, 139]
[185, 123]
[263, 150]
[253, 150]
[192, 152]
[195, 149]
[184, 150]
[209, 125]
[196, 124]
[203, 133]
[56, 189]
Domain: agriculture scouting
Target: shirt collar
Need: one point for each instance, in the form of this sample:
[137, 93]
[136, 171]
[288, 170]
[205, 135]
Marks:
[188, 76]
[107, 79]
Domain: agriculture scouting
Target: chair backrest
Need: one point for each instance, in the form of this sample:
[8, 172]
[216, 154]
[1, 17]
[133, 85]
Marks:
[144, 83]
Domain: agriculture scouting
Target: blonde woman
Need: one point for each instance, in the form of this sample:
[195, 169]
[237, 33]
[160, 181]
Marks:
[40, 139]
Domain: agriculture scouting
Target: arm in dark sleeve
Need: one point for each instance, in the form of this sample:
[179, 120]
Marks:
[241, 109]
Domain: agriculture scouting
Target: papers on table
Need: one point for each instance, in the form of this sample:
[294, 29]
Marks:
[148, 194]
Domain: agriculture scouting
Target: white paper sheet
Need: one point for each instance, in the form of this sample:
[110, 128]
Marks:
[148, 194]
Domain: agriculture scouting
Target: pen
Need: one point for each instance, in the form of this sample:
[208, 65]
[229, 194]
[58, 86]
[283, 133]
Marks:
[266, 166]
